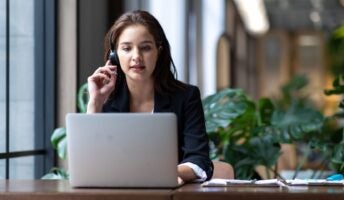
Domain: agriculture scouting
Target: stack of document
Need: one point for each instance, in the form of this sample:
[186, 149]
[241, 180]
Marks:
[314, 182]
[237, 182]
[272, 182]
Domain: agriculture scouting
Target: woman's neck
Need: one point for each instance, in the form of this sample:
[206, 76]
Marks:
[141, 96]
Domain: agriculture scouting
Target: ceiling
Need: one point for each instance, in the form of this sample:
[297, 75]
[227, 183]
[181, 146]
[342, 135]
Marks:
[294, 15]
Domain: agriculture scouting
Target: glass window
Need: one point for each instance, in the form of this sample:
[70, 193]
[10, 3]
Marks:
[22, 49]
[223, 62]
[273, 57]
[25, 78]
[310, 61]
[2, 169]
[21, 168]
[2, 74]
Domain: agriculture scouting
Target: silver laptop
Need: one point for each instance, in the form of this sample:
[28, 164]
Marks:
[122, 150]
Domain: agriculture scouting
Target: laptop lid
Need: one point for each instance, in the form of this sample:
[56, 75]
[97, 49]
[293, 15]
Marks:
[122, 149]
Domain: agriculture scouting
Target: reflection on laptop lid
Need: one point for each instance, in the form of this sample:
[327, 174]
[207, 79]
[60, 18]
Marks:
[122, 149]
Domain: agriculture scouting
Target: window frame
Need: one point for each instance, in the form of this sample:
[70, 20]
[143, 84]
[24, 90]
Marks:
[44, 115]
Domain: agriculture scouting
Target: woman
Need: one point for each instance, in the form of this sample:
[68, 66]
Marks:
[144, 81]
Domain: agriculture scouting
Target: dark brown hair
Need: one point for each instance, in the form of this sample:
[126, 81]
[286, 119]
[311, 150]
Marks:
[165, 73]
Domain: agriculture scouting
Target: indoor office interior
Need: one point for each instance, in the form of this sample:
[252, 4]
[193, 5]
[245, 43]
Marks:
[275, 49]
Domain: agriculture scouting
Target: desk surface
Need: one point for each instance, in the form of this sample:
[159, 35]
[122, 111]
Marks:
[54, 190]
[196, 191]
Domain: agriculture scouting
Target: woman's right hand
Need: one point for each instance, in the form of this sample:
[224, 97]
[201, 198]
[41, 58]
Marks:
[100, 85]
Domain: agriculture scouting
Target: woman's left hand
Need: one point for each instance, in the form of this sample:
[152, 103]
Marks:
[180, 181]
[185, 173]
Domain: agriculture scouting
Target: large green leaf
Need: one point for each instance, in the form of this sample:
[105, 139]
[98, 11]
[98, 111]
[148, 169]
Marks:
[222, 108]
[298, 121]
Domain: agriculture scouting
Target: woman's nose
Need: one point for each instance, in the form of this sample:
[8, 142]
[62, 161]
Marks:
[136, 55]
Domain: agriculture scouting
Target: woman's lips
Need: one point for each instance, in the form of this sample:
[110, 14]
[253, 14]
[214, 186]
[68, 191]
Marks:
[137, 67]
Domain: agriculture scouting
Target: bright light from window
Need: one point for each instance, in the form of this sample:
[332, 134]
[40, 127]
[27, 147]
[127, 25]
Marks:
[253, 14]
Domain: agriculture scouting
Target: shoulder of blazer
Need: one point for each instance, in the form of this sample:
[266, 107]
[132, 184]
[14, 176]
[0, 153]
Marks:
[188, 93]
[165, 102]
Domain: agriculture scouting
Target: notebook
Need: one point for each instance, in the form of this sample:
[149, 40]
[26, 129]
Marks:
[125, 150]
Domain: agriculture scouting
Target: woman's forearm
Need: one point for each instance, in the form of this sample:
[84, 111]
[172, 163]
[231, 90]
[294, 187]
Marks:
[94, 107]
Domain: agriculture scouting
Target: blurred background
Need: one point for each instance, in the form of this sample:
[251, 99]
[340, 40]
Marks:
[48, 48]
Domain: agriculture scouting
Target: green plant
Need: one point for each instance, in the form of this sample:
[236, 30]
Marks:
[336, 49]
[337, 161]
[248, 134]
[59, 140]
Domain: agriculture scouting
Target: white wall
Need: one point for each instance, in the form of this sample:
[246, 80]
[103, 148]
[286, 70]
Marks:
[213, 26]
[171, 15]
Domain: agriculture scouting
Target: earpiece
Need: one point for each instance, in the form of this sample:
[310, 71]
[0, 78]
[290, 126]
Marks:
[113, 57]
[113, 54]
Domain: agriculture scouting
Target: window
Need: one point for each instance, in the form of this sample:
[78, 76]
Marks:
[26, 87]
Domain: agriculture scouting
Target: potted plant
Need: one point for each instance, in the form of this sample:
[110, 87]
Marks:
[58, 138]
[249, 133]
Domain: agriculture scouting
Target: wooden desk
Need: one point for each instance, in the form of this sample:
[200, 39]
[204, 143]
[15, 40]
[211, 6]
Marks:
[195, 191]
[55, 190]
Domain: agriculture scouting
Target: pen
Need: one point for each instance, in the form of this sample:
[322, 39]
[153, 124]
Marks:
[335, 177]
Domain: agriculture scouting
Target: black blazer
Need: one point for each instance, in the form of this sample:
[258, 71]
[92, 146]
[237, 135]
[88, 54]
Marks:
[187, 105]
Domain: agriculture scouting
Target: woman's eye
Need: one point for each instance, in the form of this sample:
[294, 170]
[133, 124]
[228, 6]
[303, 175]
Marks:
[125, 48]
[146, 48]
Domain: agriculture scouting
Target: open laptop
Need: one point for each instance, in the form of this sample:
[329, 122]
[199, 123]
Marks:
[133, 150]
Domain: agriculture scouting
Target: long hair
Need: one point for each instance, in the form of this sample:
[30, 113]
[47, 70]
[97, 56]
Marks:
[165, 73]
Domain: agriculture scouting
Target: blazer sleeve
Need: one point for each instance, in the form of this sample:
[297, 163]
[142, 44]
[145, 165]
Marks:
[195, 142]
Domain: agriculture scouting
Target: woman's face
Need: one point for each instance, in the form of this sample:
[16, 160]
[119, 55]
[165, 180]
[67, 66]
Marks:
[137, 53]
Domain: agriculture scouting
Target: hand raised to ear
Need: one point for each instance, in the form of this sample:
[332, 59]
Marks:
[100, 85]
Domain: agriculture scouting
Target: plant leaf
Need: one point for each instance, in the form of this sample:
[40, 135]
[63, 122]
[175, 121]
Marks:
[62, 148]
[57, 136]
[297, 121]
[265, 109]
[223, 107]
[56, 174]
[83, 98]
[265, 150]
[338, 86]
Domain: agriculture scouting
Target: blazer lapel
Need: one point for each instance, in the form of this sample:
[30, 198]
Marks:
[121, 101]
[162, 103]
